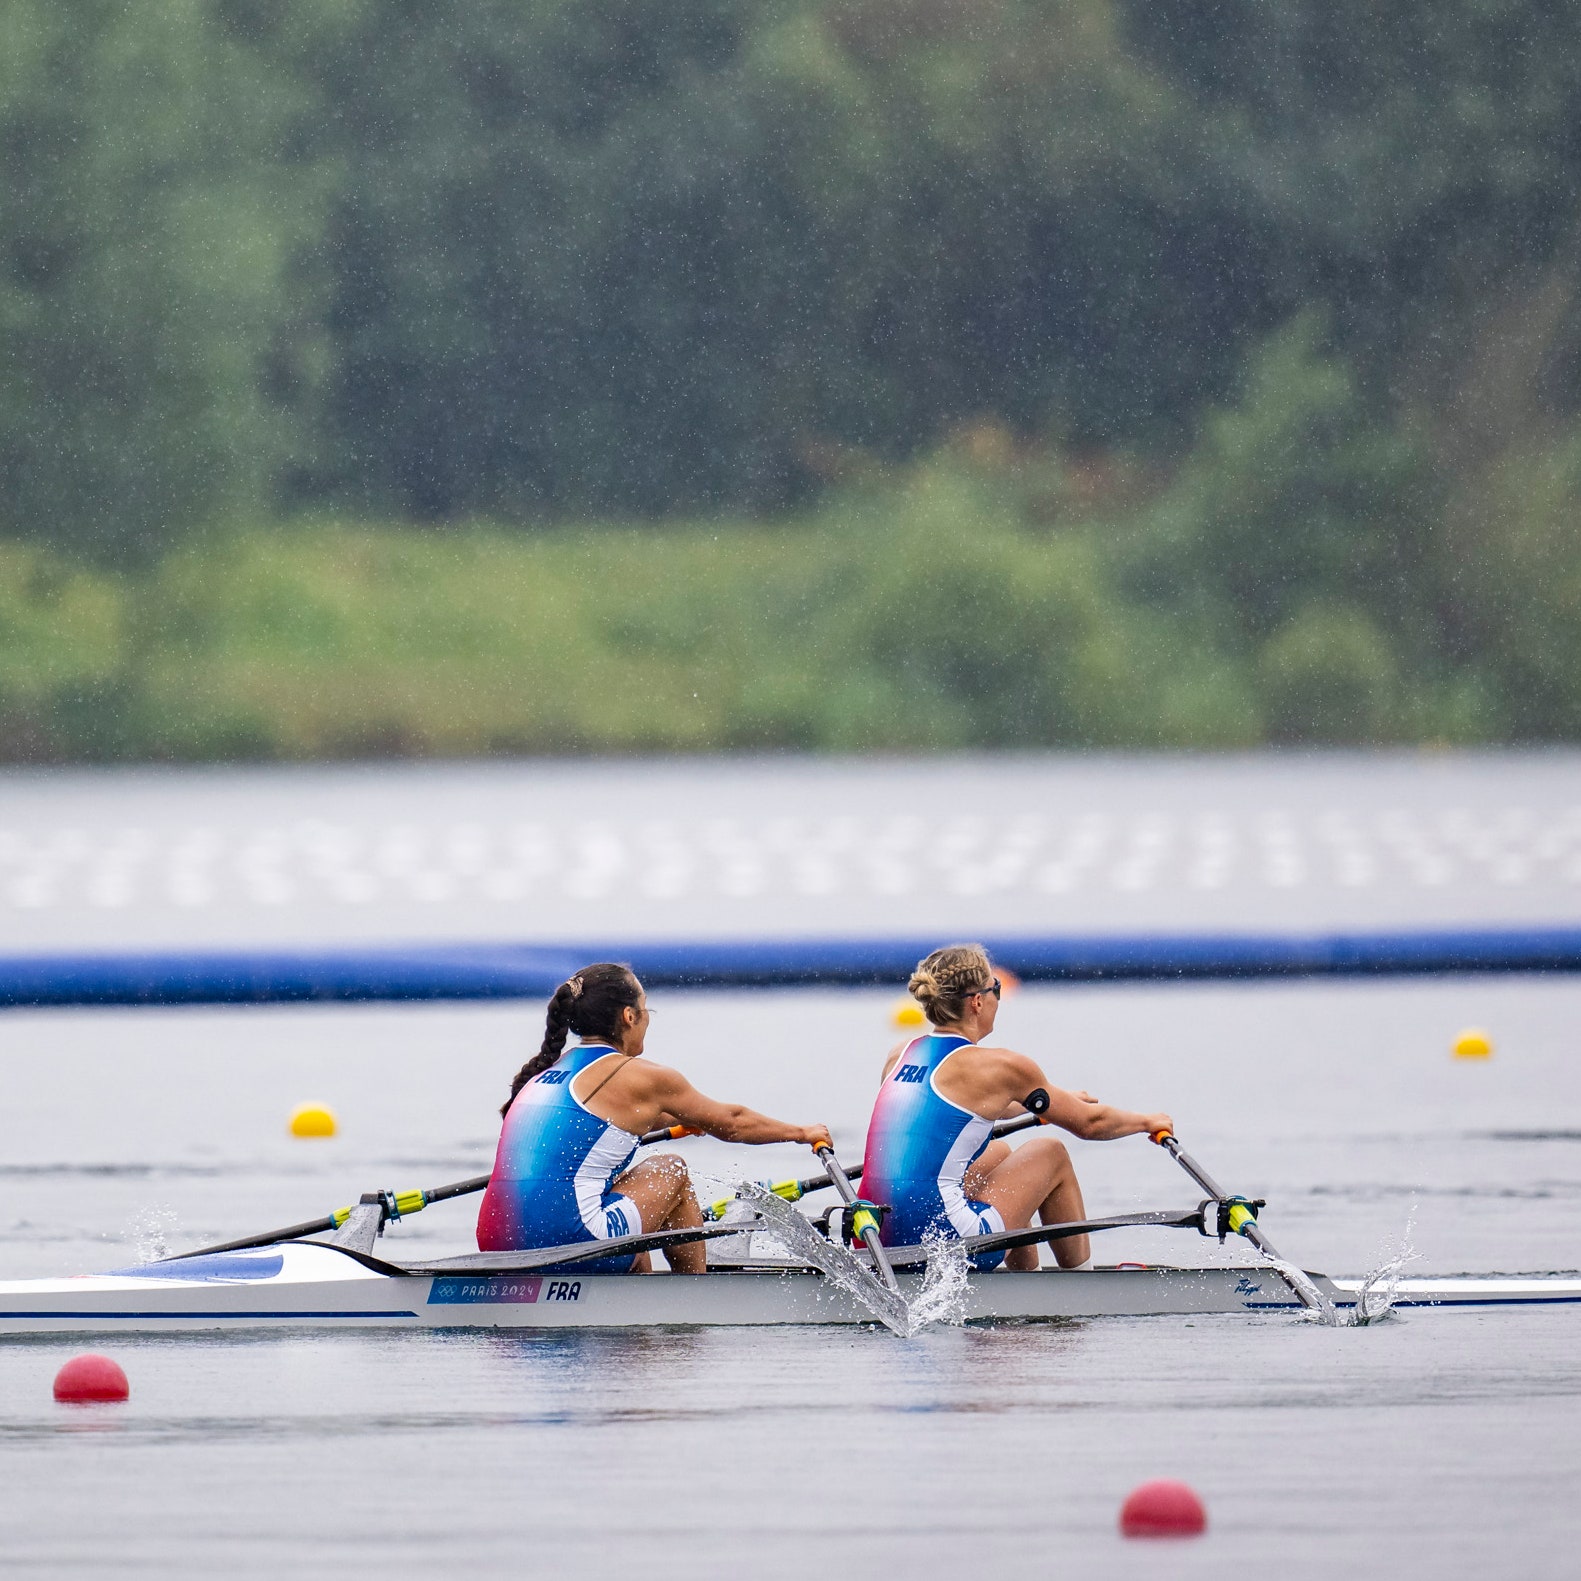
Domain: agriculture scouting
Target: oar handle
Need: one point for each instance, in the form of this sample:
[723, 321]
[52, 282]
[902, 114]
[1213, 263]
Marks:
[461, 1188]
[1167, 1141]
[667, 1133]
[835, 1175]
[1022, 1122]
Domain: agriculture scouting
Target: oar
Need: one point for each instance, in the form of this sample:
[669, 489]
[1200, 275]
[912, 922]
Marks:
[397, 1205]
[535, 1258]
[1240, 1216]
[1003, 1240]
[863, 1220]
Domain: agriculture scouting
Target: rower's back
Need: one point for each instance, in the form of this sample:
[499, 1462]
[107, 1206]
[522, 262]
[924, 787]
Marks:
[920, 1145]
[554, 1163]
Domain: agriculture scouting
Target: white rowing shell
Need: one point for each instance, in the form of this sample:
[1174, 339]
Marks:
[320, 1286]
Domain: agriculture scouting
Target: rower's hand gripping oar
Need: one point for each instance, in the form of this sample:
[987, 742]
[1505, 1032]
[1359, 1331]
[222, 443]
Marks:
[394, 1204]
[1238, 1216]
[864, 1216]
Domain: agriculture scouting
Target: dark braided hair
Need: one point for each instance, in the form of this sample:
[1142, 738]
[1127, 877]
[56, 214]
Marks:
[588, 1004]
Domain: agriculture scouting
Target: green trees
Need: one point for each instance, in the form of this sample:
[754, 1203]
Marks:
[152, 321]
[1302, 276]
[651, 256]
[1414, 168]
[655, 257]
[548, 258]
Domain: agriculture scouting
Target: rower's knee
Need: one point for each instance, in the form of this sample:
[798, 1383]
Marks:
[1053, 1153]
[670, 1170]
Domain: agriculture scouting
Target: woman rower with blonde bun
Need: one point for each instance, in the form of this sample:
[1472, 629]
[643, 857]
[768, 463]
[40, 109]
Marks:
[929, 1152]
[563, 1172]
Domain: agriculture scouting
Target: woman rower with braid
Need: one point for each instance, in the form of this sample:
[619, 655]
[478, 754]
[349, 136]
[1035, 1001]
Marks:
[563, 1171]
[929, 1153]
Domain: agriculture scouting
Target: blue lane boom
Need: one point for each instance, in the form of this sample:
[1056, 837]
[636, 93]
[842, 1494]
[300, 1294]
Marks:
[505, 971]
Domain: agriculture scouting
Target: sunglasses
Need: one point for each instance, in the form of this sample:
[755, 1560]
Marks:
[993, 989]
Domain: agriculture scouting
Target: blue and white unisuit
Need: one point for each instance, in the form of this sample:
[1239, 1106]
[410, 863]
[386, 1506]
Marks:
[553, 1168]
[919, 1146]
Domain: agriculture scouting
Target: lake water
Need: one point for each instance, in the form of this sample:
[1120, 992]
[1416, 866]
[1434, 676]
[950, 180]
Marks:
[1432, 1444]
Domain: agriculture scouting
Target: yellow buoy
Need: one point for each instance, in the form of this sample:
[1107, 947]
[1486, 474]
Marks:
[312, 1119]
[908, 1013]
[1473, 1043]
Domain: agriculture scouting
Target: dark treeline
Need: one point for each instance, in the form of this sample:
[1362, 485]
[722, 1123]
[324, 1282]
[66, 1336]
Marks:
[1275, 301]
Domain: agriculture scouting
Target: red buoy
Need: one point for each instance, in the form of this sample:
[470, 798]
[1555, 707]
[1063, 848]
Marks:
[90, 1378]
[1163, 1509]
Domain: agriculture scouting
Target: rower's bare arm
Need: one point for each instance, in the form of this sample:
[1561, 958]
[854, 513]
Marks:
[730, 1122]
[1079, 1112]
[1084, 1116]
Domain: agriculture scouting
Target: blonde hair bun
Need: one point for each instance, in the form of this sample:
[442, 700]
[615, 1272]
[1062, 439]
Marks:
[944, 981]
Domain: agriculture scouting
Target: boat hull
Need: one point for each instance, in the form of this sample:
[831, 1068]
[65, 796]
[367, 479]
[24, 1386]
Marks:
[317, 1286]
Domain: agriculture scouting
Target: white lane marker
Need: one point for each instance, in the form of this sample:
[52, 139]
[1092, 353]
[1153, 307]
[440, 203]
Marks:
[968, 854]
[32, 892]
[189, 890]
[353, 889]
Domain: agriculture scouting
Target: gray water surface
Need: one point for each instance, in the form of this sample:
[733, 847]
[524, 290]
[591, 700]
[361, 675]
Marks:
[1433, 1444]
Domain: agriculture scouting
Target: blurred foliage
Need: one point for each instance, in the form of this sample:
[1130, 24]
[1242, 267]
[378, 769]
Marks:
[992, 594]
[923, 373]
[829, 631]
[155, 209]
[656, 256]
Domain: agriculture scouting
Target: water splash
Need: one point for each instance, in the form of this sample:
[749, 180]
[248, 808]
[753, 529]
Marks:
[1318, 1306]
[1376, 1295]
[942, 1298]
[151, 1231]
[829, 1257]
